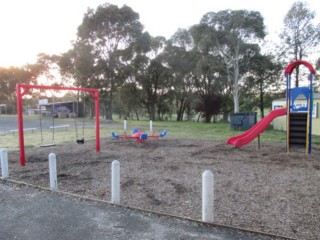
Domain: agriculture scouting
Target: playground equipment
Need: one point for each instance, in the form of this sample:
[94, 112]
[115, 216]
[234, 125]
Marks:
[299, 119]
[138, 135]
[23, 89]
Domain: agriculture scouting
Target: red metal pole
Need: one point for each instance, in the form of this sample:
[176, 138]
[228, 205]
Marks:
[96, 98]
[20, 126]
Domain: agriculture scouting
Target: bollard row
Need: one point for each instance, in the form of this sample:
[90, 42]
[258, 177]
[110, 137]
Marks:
[207, 183]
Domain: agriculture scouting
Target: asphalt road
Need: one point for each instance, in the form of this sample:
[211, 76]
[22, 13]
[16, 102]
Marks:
[28, 213]
[8, 123]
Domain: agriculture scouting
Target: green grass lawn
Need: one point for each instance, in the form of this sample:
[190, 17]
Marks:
[201, 131]
[176, 130]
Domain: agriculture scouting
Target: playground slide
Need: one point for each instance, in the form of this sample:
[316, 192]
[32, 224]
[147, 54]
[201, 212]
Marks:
[258, 128]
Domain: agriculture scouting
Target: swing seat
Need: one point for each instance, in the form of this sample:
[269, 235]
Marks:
[80, 141]
[48, 145]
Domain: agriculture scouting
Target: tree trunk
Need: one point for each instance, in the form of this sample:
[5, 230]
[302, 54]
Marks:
[181, 110]
[109, 114]
[177, 109]
[189, 112]
[236, 100]
[199, 117]
[207, 118]
[297, 77]
[153, 107]
[137, 115]
[225, 116]
[159, 112]
[152, 112]
[13, 103]
[105, 106]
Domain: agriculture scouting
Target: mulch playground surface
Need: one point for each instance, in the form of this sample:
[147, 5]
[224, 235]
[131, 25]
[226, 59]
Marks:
[259, 189]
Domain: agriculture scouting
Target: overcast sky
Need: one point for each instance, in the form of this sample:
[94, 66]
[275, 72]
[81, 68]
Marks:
[29, 27]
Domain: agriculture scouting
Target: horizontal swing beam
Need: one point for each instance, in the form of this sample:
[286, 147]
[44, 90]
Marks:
[27, 87]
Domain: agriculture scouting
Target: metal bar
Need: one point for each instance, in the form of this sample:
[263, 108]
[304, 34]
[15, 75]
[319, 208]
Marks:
[288, 78]
[57, 88]
[96, 99]
[310, 114]
[20, 126]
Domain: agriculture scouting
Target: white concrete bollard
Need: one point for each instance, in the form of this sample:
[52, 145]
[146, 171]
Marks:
[125, 125]
[207, 196]
[150, 125]
[115, 182]
[4, 163]
[53, 172]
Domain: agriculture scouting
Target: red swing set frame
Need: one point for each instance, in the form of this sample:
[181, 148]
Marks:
[23, 89]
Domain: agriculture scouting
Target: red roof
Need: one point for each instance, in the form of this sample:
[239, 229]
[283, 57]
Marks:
[294, 64]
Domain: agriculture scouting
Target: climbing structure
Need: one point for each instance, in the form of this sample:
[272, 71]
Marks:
[299, 116]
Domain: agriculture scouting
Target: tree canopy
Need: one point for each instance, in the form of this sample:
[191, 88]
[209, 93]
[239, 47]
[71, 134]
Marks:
[9, 78]
[230, 33]
[300, 34]
[214, 67]
[110, 33]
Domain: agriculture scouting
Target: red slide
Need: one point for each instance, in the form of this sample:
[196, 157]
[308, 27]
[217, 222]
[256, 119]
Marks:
[258, 128]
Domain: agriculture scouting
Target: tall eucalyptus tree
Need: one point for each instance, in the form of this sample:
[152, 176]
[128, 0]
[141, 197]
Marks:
[151, 74]
[181, 61]
[231, 32]
[111, 32]
[265, 76]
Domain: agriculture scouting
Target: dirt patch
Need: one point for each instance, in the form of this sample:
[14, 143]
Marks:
[266, 190]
